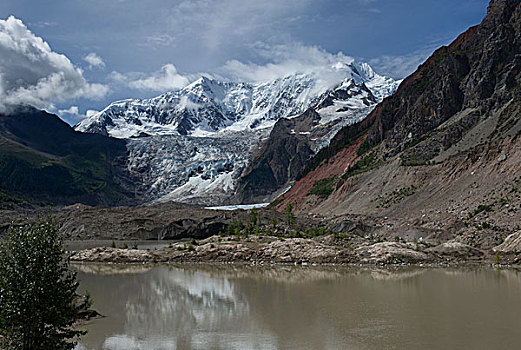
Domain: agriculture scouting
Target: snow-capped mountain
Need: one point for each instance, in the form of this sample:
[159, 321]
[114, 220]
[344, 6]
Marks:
[192, 144]
[209, 106]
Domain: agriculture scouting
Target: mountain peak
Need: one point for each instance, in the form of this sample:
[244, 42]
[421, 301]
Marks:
[210, 105]
[203, 80]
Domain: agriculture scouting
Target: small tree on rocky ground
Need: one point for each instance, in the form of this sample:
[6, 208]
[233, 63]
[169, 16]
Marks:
[288, 215]
[38, 300]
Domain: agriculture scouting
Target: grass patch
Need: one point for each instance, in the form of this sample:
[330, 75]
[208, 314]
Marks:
[323, 188]
[276, 203]
[368, 162]
[417, 163]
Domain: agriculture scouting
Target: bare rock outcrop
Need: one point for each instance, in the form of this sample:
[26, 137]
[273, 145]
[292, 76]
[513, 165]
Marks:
[391, 253]
[512, 244]
[456, 249]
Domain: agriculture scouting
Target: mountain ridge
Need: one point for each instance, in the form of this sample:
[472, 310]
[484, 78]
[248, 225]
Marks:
[209, 105]
[43, 160]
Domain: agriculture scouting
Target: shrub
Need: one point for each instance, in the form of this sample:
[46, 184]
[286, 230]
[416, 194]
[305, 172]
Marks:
[234, 227]
[366, 163]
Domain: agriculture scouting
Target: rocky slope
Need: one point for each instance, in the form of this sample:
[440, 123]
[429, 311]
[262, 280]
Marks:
[439, 158]
[292, 142]
[193, 145]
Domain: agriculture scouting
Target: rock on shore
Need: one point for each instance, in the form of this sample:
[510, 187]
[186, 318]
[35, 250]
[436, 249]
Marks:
[265, 250]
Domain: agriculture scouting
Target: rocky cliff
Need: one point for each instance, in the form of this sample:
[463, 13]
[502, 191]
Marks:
[440, 157]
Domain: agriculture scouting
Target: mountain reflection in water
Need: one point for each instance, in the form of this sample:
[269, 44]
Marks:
[287, 307]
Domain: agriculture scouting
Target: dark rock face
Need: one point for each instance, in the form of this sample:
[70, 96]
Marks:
[347, 93]
[473, 81]
[280, 160]
[479, 71]
[154, 222]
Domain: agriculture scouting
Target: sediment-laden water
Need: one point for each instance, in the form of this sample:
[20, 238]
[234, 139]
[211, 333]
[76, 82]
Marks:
[301, 307]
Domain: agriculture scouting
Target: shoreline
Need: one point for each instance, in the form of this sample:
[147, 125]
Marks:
[464, 264]
[322, 250]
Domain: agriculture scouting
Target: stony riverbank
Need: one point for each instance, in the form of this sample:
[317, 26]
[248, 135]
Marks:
[327, 249]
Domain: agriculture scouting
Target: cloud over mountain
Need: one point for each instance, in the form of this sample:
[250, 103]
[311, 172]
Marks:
[284, 60]
[32, 73]
[166, 79]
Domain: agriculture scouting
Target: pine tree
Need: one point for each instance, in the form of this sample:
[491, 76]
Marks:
[38, 300]
[288, 214]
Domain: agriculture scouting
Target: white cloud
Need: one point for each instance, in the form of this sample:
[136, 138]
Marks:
[90, 113]
[74, 110]
[118, 77]
[284, 60]
[44, 24]
[160, 40]
[327, 69]
[219, 23]
[73, 113]
[399, 67]
[31, 73]
[94, 61]
[166, 79]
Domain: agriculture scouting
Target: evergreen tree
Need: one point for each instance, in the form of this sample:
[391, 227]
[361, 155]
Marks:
[38, 300]
[288, 214]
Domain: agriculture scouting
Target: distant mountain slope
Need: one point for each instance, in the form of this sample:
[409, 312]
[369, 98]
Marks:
[201, 144]
[443, 146]
[43, 159]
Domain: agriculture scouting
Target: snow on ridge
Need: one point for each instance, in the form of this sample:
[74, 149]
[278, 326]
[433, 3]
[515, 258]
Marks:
[209, 106]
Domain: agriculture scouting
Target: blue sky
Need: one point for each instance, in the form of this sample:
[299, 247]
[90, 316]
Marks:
[125, 48]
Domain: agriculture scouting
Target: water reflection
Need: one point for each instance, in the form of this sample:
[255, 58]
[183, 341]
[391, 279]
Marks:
[246, 307]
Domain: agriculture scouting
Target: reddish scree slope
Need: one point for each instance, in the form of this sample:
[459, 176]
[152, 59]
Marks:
[336, 166]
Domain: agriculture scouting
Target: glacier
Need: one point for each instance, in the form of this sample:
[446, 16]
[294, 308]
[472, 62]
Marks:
[191, 145]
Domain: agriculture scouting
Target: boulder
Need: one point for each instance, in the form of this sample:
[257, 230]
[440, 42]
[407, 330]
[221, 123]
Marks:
[512, 244]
